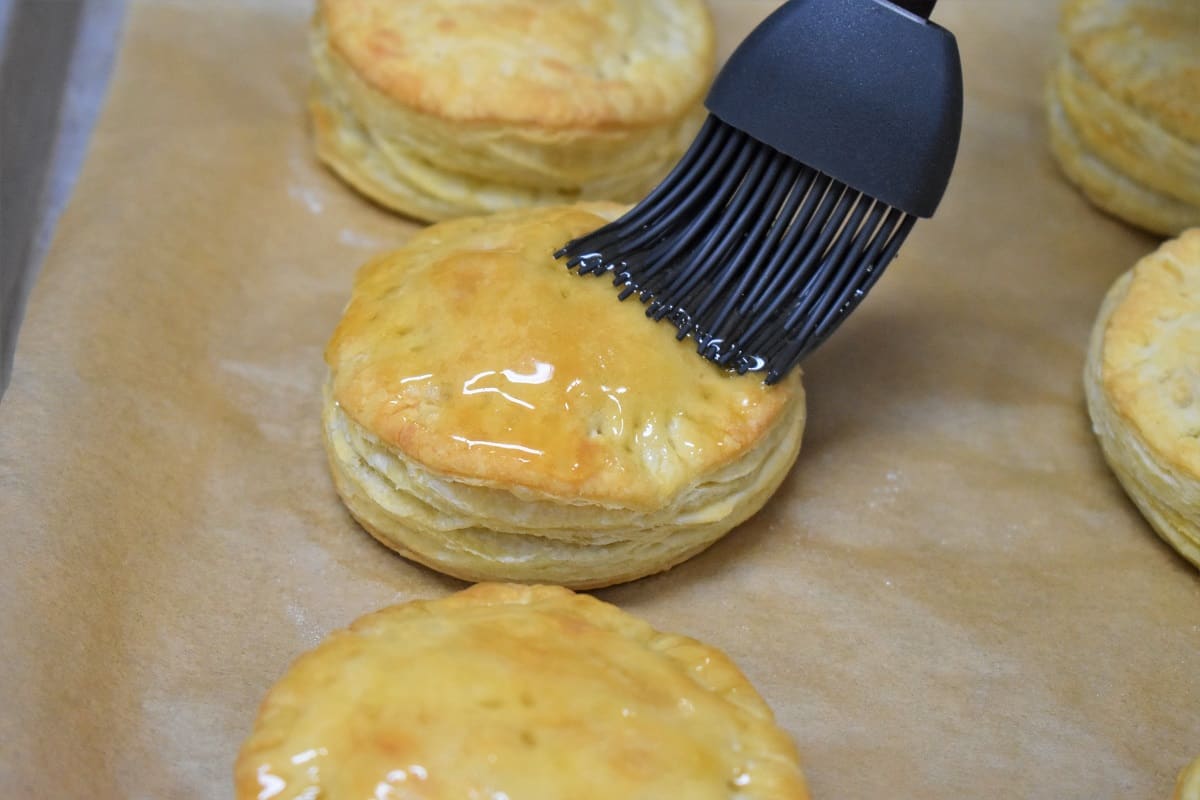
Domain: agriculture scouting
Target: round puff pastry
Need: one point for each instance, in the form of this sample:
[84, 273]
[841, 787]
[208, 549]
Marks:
[505, 691]
[495, 417]
[1143, 388]
[1123, 105]
[1188, 787]
[445, 108]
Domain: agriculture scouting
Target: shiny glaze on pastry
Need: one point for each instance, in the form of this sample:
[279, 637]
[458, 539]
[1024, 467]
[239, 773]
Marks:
[474, 352]
[506, 692]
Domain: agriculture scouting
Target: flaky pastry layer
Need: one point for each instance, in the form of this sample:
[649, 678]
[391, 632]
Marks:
[479, 531]
[1143, 388]
[1134, 145]
[411, 154]
[1123, 107]
[1107, 187]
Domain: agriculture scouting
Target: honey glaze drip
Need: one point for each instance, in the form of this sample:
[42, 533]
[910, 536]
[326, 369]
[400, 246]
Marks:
[475, 352]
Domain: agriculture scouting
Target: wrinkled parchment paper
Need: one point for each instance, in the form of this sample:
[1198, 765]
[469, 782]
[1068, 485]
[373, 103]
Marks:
[950, 597]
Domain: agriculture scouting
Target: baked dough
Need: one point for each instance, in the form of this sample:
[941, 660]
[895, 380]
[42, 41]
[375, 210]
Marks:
[444, 108]
[1123, 105]
[1143, 388]
[495, 417]
[504, 691]
[1188, 786]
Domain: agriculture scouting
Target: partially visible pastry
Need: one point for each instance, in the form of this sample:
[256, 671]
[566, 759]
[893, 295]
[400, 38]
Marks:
[495, 417]
[446, 108]
[1123, 106]
[1143, 388]
[521, 692]
[1188, 786]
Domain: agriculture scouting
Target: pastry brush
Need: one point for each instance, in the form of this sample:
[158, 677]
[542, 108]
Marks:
[831, 129]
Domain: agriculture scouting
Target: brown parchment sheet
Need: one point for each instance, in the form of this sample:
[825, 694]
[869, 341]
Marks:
[949, 597]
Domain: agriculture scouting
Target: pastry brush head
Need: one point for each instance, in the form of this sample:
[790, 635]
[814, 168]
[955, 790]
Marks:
[832, 128]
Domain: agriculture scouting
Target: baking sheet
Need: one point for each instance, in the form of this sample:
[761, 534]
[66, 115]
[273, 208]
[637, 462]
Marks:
[949, 597]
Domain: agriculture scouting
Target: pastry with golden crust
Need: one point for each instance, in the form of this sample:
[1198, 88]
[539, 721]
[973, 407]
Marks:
[1143, 388]
[495, 417]
[1123, 105]
[446, 108]
[506, 691]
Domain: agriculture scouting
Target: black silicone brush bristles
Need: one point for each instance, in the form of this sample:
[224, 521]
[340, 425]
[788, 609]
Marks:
[756, 256]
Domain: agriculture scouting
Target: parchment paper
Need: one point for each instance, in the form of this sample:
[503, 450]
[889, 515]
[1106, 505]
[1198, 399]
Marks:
[949, 597]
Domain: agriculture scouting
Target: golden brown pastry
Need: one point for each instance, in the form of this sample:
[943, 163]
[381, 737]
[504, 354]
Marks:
[505, 691]
[495, 417]
[1188, 787]
[1124, 108]
[1143, 388]
[444, 108]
